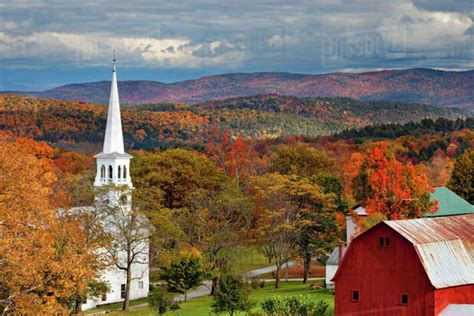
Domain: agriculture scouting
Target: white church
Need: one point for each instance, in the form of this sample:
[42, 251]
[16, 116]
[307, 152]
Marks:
[113, 168]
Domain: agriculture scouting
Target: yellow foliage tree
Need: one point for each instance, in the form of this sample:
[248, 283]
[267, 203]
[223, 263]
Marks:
[44, 258]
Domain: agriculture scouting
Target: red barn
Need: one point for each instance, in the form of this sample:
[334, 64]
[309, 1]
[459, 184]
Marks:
[409, 267]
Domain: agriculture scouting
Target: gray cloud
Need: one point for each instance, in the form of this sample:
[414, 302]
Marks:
[298, 35]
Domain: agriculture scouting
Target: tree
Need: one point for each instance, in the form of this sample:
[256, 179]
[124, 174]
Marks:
[184, 274]
[316, 222]
[308, 162]
[45, 260]
[93, 239]
[275, 218]
[217, 222]
[294, 216]
[75, 174]
[168, 179]
[188, 196]
[302, 160]
[232, 295]
[462, 179]
[388, 187]
[235, 156]
[128, 231]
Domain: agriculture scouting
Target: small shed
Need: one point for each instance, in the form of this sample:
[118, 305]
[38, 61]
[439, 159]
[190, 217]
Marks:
[333, 263]
[408, 267]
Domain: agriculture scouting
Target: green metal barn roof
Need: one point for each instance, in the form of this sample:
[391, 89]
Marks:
[449, 203]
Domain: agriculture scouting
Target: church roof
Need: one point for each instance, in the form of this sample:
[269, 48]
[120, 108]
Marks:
[113, 155]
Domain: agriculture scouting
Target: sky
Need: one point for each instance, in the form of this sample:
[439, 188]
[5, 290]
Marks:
[44, 44]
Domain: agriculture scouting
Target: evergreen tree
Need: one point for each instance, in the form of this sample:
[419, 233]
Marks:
[232, 295]
[184, 274]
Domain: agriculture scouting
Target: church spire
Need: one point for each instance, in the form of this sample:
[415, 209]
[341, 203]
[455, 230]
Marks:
[113, 163]
[113, 140]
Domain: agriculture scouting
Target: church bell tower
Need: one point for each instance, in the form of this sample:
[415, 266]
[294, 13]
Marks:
[113, 163]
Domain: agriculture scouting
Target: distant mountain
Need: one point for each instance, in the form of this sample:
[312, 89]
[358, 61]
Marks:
[435, 87]
[80, 125]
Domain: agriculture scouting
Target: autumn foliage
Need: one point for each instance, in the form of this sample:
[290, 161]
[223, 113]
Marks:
[386, 186]
[44, 263]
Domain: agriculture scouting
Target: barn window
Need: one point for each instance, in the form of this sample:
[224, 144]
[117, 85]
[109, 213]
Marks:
[404, 299]
[110, 172]
[119, 173]
[355, 296]
[384, 242]
[125, 172]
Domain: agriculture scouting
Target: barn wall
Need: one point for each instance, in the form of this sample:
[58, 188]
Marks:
[453, 295]
[381, 275]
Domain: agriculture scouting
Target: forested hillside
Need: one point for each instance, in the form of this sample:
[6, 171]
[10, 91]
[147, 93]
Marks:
[79, 125]
[440, 88]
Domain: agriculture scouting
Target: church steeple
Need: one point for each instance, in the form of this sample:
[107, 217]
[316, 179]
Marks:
[113, 140]
[113, 162]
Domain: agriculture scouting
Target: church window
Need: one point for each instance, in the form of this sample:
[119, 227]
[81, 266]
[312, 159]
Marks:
[102, 172]
[110, 172]
[122, 290]
[119, 172]
[124, 172]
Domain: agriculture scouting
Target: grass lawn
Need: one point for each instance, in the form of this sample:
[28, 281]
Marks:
[243, 259]
[116, 306]
[202, 306]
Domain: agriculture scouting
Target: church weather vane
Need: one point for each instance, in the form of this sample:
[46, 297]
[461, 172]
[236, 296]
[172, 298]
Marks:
[114, 60]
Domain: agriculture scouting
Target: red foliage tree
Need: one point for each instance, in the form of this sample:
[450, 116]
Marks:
[392, 189]
[236, 156]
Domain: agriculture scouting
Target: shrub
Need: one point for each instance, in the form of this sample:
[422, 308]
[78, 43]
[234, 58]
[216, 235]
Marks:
[273, 305]
[294, 306]
[254, 284]
[321, 308]
[299, 305]
[161, 301]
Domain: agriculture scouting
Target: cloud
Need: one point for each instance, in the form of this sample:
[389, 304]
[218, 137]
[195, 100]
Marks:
[246, 35]
[94, 49]
[412, 29]
[282, 41]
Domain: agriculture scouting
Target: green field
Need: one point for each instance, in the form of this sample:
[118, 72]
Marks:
[202, 306]
[245, 259]
[242, 259]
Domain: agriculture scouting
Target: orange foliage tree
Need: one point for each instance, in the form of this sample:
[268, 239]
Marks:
[389, 188]
[236, 156]
[45, 262]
